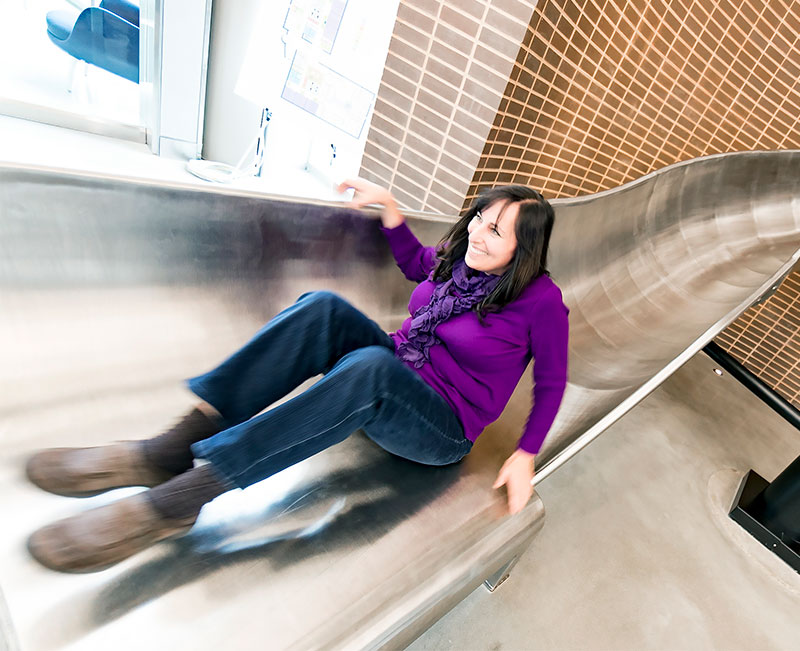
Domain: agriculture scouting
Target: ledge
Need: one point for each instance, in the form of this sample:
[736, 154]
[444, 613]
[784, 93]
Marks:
[31, 143]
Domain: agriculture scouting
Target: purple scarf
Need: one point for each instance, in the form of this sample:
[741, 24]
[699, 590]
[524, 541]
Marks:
[454, 296]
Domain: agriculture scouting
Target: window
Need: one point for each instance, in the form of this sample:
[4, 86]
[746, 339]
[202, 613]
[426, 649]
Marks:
[124, 68]
[73, 62]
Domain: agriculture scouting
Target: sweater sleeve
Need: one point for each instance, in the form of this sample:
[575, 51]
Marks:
[415, 261]
[548, 339]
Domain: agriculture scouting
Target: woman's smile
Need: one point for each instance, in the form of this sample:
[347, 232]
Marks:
[492, 244]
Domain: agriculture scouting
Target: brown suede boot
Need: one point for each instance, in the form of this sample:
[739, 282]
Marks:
[99, 538]
[82, 472]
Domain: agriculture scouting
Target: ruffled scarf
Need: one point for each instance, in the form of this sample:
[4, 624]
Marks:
[465, 289]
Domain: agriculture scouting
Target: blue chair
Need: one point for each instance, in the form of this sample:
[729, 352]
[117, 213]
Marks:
[106, 36]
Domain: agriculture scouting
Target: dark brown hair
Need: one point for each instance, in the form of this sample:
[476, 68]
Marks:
[533, 227]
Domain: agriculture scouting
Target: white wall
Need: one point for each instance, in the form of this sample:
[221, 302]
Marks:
[230, 121]
[250, 57]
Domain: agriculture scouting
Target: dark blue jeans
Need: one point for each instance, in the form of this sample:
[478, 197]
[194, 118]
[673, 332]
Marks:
[364, 386]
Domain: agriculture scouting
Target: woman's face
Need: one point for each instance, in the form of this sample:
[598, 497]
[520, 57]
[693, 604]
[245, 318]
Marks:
[492, 240]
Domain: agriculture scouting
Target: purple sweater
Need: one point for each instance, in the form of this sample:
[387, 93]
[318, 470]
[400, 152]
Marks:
[476, 368]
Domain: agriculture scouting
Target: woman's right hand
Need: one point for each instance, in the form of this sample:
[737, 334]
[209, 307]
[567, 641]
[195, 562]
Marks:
[367, 193]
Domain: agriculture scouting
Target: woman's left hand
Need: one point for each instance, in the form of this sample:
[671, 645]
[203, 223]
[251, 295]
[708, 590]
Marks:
[517, 474]
[367, 193]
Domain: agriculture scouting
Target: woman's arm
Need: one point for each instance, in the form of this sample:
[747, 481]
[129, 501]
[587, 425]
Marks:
[367, 193]
[415, 261]
[549, 339]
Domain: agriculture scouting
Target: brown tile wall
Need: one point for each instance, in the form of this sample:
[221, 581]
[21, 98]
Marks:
[766, 339]
[575, 97]
[447, 67]
[605, 91]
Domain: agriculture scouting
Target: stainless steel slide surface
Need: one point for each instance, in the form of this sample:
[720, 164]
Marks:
[113, 290]
[655, 269]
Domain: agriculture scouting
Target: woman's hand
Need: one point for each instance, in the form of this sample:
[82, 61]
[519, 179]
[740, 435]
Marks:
[517, 474]
[367, 193]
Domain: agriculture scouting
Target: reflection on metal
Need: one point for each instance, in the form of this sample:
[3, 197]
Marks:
[112, 291]
[498, 578]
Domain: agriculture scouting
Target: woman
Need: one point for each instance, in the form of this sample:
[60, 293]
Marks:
[484, 306]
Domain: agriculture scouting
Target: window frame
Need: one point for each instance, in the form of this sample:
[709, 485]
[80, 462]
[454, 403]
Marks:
[151, 95]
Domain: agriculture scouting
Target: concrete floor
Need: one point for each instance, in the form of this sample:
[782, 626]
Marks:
[637, 550]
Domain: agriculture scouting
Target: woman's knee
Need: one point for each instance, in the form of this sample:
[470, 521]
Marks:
[328, 303]
[322, 296]
[368, 365]
[372, 356]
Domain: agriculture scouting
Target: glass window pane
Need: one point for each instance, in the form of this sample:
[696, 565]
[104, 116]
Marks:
[74, 56]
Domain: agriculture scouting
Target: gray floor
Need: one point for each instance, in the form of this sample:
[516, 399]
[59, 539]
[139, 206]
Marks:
[637, 551]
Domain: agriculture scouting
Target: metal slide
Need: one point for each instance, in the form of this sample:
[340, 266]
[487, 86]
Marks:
[113, 290]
